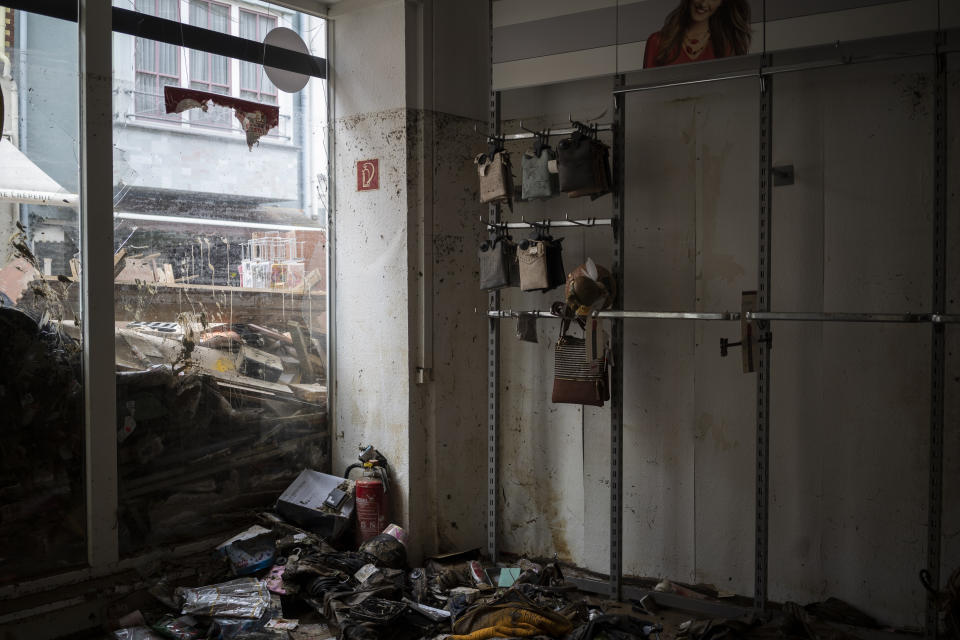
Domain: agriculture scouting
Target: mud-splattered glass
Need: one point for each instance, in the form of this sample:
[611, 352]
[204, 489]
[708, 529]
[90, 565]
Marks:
[42, 505]
[220, 289]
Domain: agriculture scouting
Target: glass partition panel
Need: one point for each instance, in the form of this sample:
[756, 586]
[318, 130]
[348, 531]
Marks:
[220, 281]
[42, 506]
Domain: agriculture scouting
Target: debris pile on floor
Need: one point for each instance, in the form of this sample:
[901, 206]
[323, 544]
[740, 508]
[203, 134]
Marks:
[294, 576]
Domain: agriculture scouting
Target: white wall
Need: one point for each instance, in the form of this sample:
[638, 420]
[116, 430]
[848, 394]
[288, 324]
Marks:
[850, 404]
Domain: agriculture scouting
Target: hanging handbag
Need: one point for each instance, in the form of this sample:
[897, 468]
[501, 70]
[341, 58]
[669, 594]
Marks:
[589, 287]
[538, 182]
[532, 261]
[556, 274]
[513, 267]
[577, 380]
[496, 179]
[576, 163]
[601, 183]
[494, 268]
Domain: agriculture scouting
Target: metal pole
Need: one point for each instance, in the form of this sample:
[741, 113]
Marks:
[763, 370]
[766, 316]
[96, 258]
[616, 372]
[493, 344]
[553, 132]
[938, 347]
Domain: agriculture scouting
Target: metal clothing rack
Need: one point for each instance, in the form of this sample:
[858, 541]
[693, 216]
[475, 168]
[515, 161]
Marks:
[493, 336]
[762, 66]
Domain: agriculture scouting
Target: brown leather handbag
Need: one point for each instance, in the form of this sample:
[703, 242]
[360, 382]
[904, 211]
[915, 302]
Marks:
[577, 380]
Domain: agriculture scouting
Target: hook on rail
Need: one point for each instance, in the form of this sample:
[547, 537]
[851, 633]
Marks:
[589, 223]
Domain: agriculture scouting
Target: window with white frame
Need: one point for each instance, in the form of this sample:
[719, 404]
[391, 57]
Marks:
[157, 63]
[210, 72]
[254, 83]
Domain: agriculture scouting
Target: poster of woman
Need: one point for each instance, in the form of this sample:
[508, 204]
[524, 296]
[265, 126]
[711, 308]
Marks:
[700, 30]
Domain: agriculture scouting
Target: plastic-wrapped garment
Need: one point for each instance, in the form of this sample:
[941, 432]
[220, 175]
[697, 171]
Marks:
[614, 627]
[388, 551]
[177, 628]
[243, 598]
[136, 633]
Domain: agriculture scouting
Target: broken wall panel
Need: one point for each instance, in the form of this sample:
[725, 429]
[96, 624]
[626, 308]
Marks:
[950, 539]
[854, 460]
[659, 370]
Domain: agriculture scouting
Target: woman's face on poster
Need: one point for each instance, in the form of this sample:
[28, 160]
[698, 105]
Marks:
[701, 10]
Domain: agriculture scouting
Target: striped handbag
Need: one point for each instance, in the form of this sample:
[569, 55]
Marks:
[577, 380]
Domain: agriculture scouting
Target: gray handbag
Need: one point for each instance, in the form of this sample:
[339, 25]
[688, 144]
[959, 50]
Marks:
[538, 182]
[498, 264]
[494, 272]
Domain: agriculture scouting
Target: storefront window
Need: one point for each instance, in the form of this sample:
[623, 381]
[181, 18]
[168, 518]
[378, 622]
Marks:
[42, 504]
[220, 289]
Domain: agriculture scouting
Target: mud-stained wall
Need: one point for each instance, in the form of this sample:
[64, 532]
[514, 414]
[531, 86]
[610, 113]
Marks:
[372, 376]
[421, 226]
[371, 381]
[457, 453]
[951, 443]
[850, 403]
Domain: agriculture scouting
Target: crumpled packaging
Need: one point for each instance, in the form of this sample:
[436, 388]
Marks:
[243, 598]
[136, 633]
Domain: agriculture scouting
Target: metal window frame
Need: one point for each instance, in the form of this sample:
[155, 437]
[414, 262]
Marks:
[96, 260]
[97, 22]
[185, 35]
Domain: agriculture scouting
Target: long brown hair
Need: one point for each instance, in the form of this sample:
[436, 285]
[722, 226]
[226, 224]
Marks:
[729, 30]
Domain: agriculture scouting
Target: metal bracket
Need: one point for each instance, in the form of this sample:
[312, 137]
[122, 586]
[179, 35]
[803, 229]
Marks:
[783, 175]
[752, 333]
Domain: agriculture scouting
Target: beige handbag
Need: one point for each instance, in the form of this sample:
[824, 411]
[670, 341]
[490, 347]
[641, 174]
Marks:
[496, 179]
[533, 266]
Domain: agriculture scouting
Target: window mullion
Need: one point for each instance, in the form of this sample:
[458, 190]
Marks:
[96, 259]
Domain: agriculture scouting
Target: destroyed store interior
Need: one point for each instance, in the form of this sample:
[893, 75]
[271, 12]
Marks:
[480, 319]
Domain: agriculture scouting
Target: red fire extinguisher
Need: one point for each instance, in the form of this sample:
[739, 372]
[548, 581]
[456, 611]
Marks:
[371, 494]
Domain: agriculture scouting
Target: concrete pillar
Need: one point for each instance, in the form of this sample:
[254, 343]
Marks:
[409, 81]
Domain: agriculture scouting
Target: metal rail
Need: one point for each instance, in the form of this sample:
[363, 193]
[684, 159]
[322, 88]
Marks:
[493, 343]
[566, 222]
[800, 59]
[552, 132]
[937, 345]
[616, 346]
[771, 316]
[764, 280]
